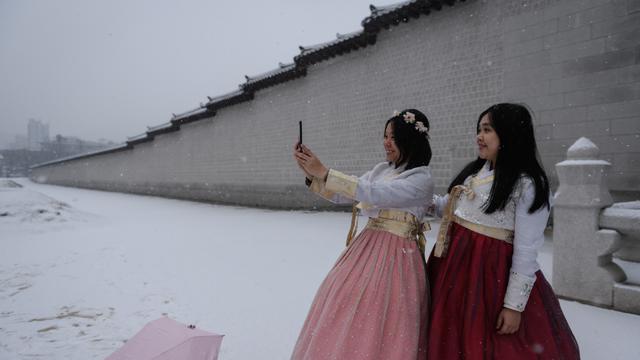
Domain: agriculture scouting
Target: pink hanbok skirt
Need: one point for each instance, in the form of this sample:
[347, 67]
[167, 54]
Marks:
[373, 304]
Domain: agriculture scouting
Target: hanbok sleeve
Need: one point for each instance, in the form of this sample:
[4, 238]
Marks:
[528, 239]
[413, 190]
[319, 186]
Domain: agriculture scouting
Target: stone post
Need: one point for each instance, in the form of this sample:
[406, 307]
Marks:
[582, 267]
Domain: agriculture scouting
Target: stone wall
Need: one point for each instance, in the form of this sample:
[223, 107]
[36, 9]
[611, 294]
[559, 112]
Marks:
[575, 63]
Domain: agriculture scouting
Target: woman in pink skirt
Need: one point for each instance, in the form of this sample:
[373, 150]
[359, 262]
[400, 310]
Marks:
[489, 298]
[373, 304]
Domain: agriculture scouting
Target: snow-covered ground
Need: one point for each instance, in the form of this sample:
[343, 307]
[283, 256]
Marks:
[81, 271]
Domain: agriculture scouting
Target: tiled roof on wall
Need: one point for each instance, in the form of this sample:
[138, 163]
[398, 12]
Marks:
[283, 73]
[341, 45]
[192, 115]
[229, 99]
[111, 149]
[139, 139]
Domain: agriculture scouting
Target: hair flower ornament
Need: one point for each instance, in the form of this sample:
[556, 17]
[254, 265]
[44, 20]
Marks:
[409, 117]
[421, 128]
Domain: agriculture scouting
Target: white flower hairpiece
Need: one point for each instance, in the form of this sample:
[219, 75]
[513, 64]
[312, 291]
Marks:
[410, 118]
[421, 128]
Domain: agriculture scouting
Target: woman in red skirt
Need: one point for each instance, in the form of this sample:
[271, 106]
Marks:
[489, 298]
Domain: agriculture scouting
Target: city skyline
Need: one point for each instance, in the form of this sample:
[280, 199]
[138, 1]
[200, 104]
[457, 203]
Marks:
[28, 141]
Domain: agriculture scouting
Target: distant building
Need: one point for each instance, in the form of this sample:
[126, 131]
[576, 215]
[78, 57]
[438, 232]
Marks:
[19, 143]
[63, 146]
[37, 133]
[15, 162]
[36, 147]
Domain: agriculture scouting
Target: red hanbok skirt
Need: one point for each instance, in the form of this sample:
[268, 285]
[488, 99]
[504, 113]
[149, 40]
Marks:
[468, 286]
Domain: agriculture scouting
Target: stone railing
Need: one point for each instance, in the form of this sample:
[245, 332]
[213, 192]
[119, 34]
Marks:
[596, 244]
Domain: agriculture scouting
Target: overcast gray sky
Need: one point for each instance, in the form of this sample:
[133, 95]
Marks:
[107, 69]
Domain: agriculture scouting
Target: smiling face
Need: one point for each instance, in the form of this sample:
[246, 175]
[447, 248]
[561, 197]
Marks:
[488, 140]
[393, 153]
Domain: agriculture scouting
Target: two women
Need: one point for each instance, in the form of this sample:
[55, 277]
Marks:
[489, 298]
[373, 304]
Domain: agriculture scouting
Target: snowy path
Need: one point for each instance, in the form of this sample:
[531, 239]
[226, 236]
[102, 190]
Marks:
[81, 271]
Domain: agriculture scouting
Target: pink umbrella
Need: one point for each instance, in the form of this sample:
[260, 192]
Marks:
[167, 339]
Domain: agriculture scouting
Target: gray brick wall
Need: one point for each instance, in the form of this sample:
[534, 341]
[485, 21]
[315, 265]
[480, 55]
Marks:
[580, 75]
[575, 63]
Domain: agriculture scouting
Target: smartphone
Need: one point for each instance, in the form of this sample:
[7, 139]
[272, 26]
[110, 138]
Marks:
[300, 133]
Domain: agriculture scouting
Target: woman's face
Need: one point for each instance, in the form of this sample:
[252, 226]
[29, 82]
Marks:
[488, 140]
[393, 154]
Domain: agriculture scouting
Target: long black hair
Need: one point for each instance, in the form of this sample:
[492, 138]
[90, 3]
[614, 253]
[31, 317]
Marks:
[414, 146]
[517, 156]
